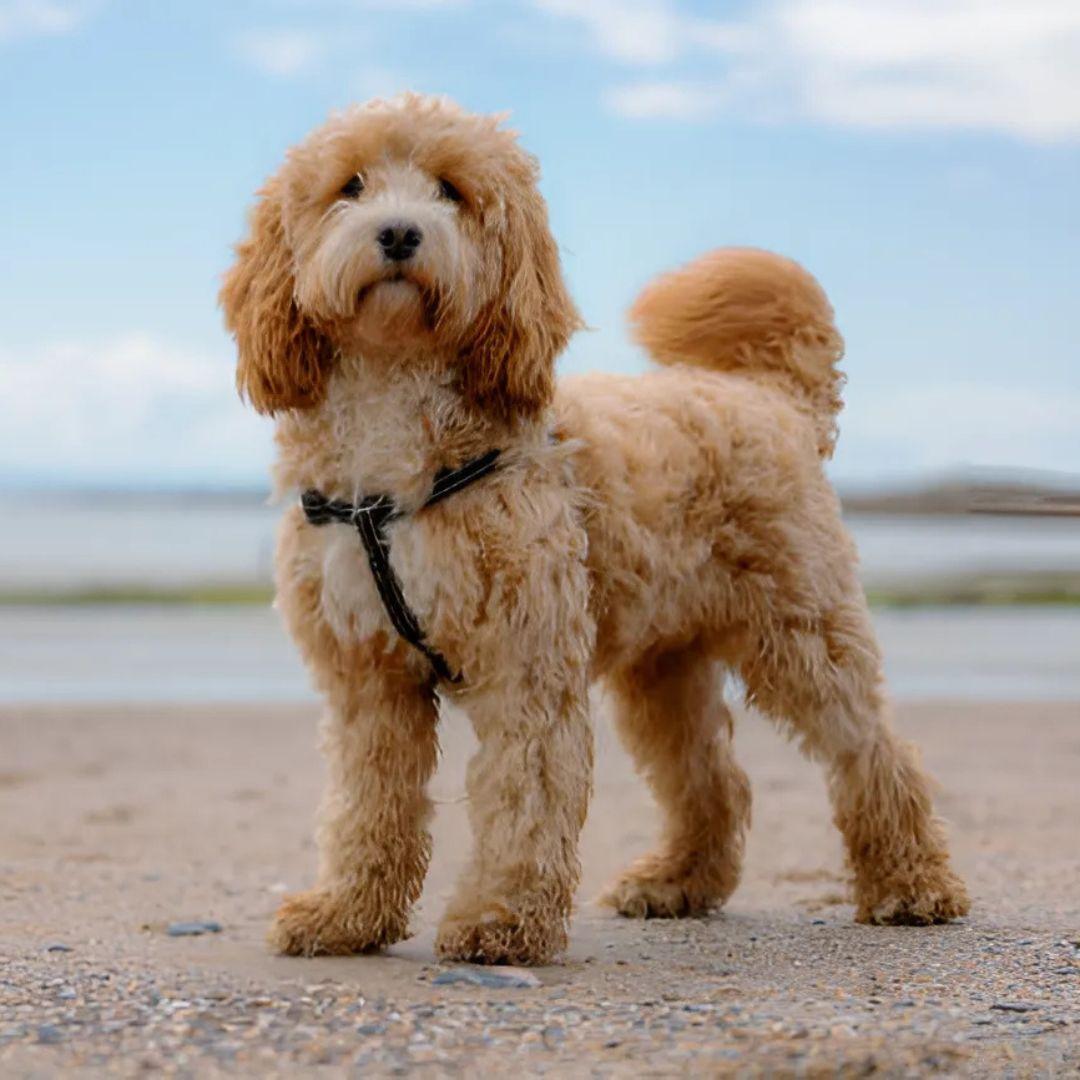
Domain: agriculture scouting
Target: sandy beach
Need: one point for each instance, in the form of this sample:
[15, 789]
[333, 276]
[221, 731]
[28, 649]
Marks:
[118, 821]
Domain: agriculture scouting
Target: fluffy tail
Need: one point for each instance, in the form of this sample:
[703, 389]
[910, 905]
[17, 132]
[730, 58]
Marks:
[749, 311]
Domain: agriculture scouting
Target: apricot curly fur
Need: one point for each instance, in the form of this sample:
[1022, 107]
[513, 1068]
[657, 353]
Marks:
[655, 532]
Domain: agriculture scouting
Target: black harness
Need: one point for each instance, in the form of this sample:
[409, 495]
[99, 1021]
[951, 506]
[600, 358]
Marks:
[370, 518]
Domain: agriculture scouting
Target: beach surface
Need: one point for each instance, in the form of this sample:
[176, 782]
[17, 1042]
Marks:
[117, 822]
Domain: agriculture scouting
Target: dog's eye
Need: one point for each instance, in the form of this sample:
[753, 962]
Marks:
[352, 188]
[448, 191]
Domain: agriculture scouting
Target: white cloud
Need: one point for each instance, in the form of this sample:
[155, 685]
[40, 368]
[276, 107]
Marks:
[32, 18]
[634, 31]
[281, 52]
[659, 100]
[935, 427]
[979, 64]
[126, 410]
[1009, 66]
[132, 410]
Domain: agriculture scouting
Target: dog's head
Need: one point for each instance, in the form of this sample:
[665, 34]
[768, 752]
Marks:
[401, 228]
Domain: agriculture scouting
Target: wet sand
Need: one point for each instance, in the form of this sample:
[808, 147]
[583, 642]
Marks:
[117, 821]
[195, 654]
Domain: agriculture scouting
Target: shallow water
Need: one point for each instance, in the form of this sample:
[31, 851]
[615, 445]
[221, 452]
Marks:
[191, 654]
[82, 540]
[146, 653]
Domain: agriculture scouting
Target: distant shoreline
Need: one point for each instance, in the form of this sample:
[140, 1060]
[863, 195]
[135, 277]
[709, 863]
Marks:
[1034, 589]
[974, 492]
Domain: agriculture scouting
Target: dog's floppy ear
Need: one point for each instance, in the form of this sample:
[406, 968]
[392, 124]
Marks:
[283, 358]
[508, 363]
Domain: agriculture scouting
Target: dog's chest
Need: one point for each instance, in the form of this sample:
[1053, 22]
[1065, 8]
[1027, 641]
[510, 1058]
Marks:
[384, 431]
[350, 600]
[374, 434]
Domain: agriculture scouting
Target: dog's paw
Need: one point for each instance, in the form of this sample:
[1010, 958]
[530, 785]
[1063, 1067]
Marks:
[655, 898]
[934, 898]
[659, 887]
[500, 937]
[319, 923]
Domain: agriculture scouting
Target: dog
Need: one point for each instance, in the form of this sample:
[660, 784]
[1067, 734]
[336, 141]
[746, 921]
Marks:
[398, 306]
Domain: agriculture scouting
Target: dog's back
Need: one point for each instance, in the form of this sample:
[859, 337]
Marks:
[703, 479]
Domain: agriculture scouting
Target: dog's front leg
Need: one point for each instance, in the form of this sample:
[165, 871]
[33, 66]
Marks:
[528, 784]
[374, 846]
[528, 787]
[380, 742]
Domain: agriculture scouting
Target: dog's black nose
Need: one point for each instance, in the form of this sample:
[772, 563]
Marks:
[399, 241]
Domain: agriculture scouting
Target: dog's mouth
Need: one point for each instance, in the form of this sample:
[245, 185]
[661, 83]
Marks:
[393, 280]
[401, 288]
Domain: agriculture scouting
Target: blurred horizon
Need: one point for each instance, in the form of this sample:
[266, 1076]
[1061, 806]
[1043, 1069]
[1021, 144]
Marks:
[949, 491]
[922, 160]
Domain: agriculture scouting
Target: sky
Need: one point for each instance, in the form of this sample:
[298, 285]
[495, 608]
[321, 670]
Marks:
[921, 158]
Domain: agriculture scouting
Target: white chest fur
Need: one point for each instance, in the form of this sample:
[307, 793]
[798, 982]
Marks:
[378, 432]
[350, 600]
[386, 429]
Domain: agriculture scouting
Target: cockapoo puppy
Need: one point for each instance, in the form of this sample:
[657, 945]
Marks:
[398, 306]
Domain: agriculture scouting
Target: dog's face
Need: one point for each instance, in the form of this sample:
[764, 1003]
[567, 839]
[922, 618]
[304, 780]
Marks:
[403, 229]
[391, 257]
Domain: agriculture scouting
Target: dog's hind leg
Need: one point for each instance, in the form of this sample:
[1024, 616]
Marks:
[820, 677]
[671, 716]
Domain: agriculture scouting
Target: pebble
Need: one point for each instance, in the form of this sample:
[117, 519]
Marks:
[1015, 1006]
[193, 929]
[495, 978]
[58, 946]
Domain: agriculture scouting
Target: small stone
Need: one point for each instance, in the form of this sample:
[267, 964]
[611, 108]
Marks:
[49, 1034]
[193, 929]
[1015, 1006]
[492, 978]
[58, 946]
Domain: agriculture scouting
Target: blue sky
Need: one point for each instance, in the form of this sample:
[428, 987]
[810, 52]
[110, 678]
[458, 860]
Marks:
[923, 159]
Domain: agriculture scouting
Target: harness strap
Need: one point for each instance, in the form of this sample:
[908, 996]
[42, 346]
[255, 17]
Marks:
[370, 518]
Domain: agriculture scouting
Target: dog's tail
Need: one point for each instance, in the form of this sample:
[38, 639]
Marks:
[752, 312]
